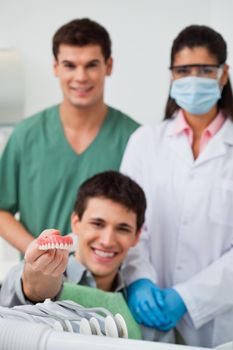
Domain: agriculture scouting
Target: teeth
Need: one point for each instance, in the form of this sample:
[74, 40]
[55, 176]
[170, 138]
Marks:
[104, 254]
[54, 246]
[43, 247]
[83, 89]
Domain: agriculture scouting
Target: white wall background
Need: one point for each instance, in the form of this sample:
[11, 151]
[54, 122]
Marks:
[142, 32]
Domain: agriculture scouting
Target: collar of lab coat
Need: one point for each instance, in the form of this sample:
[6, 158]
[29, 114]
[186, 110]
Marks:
[216, 147]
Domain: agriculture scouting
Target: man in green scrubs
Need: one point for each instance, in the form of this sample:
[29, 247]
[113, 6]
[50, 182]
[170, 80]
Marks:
[51, 153]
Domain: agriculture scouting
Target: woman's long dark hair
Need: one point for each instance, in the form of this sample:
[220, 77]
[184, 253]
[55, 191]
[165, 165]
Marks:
[202, 36]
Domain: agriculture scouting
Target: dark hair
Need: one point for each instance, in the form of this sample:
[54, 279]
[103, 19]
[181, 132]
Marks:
[202, 36]
[114, 186]
[82, 32]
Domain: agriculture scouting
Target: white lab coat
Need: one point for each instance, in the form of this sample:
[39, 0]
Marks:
[188, 234]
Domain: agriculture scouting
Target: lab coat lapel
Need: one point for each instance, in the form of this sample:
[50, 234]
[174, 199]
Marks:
[217, 146]
[179, 144]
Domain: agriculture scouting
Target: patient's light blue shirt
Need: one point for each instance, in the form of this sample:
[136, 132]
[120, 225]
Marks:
[11, 293]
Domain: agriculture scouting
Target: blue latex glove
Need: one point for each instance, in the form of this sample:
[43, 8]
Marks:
[145, 300]
[174, 308]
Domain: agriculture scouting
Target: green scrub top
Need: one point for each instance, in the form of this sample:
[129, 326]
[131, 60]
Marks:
[40, 173]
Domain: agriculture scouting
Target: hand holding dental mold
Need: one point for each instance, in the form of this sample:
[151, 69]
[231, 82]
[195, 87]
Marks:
[46, 260]
[48, 254]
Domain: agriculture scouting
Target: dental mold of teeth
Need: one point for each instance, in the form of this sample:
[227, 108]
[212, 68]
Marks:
[54, 242]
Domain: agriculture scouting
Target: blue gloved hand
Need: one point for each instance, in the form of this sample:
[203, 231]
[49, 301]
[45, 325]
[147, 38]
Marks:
[174, 308]
[145, 300]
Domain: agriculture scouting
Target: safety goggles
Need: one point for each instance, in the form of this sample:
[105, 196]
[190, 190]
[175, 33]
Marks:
[213, 71]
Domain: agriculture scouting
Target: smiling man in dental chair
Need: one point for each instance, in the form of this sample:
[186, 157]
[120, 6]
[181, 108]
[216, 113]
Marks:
[107, 218]
[106, 222]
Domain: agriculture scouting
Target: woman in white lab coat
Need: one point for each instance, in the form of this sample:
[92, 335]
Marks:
[181, 273]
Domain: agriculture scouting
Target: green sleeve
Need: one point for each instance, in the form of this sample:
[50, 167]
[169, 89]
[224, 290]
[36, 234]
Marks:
[9, 176]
